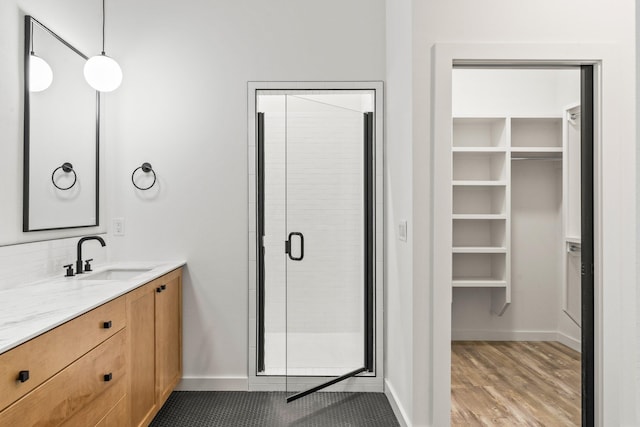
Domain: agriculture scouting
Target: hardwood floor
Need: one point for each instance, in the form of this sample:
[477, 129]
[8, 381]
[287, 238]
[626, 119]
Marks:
[514, 384]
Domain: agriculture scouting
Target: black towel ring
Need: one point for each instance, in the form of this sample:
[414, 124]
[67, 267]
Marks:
[146, 168]
[66, 168]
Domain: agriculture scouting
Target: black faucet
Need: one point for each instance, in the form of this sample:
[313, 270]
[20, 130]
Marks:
[79, 268]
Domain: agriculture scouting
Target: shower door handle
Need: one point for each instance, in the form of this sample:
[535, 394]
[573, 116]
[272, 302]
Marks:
[287, 246]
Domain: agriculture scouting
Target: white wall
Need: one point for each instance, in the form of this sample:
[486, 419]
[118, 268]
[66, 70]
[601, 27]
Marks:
[637, 52]
[514, 92]
[182, 107]
[399, 293]
[547, 21]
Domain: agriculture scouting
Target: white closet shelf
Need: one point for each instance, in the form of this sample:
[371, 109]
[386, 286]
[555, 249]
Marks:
[479, 250]
[479, 216]
[478, 149]
[478, 283]
[479, 183]
[488, 118]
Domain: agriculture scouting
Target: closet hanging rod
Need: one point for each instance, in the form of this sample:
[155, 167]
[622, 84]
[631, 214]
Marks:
[555, 159]
[574, 248]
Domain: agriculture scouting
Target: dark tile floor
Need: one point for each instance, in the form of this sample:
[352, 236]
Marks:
[253, 409]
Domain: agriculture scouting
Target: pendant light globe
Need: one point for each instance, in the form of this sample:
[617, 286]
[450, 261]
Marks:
[40, 74]
[103, 73]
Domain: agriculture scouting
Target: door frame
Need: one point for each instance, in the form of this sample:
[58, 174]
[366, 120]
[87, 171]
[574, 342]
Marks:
[445, 56]
[279, 383]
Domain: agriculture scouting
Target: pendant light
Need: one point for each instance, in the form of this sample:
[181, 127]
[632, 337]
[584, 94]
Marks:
[40, 73]
[102, 72]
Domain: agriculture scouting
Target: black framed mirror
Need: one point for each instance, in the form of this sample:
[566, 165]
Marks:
[61, 135]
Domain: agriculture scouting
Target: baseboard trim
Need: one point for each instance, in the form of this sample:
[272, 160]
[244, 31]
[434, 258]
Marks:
[484, 335]
[213, 384]
[242, 384]
[397, 408]
[572, 343]
[487, 335]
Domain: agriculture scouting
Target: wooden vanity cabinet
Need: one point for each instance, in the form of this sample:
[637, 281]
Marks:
[154, 324]
[113, 366]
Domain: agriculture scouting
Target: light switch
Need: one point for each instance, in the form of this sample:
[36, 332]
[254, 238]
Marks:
[402, 230]
[118, 226]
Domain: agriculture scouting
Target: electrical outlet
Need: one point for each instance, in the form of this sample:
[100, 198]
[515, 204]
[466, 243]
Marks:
[402, 230]
[118, 226]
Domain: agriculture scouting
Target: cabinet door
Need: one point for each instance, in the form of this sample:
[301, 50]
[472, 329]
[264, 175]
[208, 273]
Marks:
[141, 330]
[168, 335]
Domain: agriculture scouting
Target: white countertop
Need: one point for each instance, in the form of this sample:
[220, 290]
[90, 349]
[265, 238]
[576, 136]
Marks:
[29, 310]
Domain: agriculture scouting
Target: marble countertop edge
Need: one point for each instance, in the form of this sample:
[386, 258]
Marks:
[32, 309]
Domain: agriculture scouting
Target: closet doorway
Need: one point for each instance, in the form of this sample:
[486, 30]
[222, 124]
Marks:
[316, 221]
[522, 246]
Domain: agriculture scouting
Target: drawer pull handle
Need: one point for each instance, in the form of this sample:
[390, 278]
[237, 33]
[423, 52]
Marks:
[163, 287]
[158, 289]
[107, 325]
[23, 376]
[108, 377]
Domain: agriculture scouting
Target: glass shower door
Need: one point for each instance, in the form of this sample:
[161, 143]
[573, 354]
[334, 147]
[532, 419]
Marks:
[315, 311]
[326, 226]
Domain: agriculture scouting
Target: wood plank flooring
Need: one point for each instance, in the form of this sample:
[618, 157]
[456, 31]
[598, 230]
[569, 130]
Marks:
[514, 384]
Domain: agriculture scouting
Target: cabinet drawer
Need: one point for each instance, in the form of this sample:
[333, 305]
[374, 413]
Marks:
[117, 417]
[72, 392]
[52, 351]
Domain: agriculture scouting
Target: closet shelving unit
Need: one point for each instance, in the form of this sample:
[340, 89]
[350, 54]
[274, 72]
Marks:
[482, 151]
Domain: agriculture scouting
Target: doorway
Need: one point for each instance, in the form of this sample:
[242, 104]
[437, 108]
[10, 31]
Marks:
[317, 299]
[521, 220]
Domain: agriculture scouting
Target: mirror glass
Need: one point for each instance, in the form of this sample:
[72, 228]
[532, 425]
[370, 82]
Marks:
[61, 128]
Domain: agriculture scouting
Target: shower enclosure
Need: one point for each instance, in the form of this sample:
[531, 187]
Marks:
[315, 237]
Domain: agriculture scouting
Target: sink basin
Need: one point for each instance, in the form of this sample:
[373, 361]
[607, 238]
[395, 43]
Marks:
[115, 274]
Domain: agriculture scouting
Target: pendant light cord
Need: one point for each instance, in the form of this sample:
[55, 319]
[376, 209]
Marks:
[31, 29]
[103, 19]
[102, 72]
